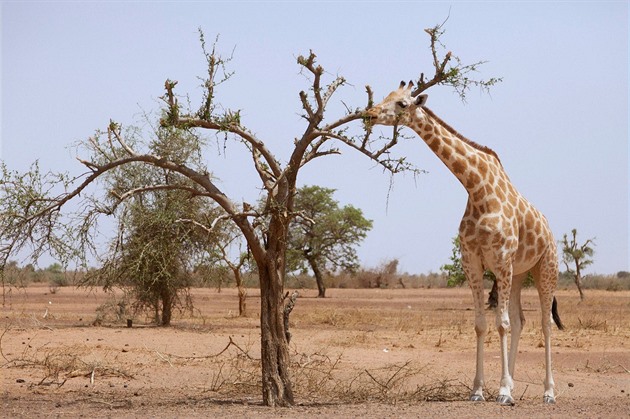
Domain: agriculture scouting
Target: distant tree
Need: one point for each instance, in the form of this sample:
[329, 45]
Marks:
[159, 242]
[623, 274]
[385, 273]
[454, 270]
[323, 237]
[236, 266]
[56, 275]
[576, 257]
[13, 278]
[229, 263]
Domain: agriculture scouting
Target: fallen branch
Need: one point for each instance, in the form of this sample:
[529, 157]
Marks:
[230, 343]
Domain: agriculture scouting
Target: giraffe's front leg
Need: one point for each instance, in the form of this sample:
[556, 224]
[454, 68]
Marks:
[475, 280]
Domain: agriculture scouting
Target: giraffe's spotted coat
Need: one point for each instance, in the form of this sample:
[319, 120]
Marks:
[500, 231]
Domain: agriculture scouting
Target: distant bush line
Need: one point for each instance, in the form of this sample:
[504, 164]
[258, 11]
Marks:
[384, 276]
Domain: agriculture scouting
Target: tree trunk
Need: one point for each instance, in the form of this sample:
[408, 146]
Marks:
[242, 302]
[578, 280]
[242, 293]
[276, 383]
[167, 306]
[318, 277]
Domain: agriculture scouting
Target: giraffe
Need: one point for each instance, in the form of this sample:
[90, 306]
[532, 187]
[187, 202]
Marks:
[500, 231]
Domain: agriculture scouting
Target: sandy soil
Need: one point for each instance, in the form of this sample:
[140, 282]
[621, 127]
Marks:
[358, 353]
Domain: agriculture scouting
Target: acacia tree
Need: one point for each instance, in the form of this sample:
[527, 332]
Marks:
[324, 236]
[576, 257]
[31, 202]
[158, 245]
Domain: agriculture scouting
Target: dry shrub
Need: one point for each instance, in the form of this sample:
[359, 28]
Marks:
[115, 310]
[234, 371]
[235, 375]
[60, 364]
[317, 376]
[320, 377]
[593, 323]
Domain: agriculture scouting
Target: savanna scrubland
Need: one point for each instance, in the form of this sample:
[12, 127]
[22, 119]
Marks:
[378, 352]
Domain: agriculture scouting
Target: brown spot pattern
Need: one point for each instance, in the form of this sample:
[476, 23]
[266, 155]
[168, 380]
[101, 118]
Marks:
[500, 230]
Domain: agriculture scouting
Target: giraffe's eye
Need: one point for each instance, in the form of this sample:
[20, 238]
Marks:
[402, 104]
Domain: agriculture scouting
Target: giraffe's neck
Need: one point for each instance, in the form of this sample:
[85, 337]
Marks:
[473, 165]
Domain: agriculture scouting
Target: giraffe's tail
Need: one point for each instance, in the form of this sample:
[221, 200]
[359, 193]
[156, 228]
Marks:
[555, 315]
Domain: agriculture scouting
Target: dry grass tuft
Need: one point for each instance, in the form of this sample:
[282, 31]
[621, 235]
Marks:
[593, 324]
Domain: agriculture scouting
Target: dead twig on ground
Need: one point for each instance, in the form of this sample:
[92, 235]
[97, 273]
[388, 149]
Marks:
[230, 343]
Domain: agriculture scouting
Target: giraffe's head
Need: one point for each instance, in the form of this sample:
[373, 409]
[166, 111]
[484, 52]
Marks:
[397, 108]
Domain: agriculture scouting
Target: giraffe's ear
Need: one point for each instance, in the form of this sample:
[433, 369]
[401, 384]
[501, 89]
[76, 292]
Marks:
[421, 100]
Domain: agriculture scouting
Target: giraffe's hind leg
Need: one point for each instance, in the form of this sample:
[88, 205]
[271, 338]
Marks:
[517, 319]
[546, 276]
[503, 317]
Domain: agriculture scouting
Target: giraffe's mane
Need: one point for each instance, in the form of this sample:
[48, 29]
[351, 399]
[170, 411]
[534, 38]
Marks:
[453, 131]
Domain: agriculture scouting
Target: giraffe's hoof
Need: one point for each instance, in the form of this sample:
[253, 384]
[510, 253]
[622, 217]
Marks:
[477, 398]
[505, 400]
[549, 399]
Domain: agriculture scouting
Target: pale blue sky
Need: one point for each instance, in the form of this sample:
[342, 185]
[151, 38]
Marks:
[559, 120]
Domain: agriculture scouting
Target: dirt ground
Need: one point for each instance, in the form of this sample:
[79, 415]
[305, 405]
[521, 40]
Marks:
[359, 353]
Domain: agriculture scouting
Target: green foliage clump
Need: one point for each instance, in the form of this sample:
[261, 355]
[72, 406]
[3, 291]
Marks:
[162, 234]
[454, 270]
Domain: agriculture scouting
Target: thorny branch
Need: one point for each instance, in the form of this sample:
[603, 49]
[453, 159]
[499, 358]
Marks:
[456, 76]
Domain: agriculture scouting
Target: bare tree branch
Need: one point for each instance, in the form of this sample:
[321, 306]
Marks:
[150, 188]
[114, 128]
[456, 76]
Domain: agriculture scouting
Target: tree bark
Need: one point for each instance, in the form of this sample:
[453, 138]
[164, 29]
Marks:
[276, 383]
[167, 306]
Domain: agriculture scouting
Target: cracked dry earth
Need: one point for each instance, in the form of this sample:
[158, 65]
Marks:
[359, 353]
